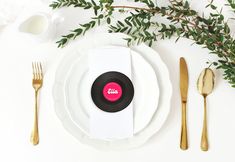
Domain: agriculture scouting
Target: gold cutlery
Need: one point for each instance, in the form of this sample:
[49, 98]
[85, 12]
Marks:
[37, 84]
[205, 85]
[184, 94]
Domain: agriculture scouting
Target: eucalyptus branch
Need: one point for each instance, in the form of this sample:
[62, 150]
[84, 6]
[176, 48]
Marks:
[211, 32]
[101, 11]
[80, 31]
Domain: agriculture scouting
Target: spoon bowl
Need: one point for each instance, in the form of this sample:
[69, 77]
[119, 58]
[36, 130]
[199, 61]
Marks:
[205, 83]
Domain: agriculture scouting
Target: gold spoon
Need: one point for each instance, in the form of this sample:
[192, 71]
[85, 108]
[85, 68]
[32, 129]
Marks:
[205, 85]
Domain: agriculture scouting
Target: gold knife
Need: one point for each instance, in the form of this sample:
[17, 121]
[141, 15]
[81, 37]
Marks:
[184, 94]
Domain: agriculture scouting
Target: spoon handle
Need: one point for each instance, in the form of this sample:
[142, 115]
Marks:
[204, 139]
[184, 138]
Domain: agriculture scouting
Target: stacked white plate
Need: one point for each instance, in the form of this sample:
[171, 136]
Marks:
[151, 100]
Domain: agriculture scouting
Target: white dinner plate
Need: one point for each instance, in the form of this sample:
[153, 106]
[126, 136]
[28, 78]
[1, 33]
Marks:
[78, 87]
[61, 101]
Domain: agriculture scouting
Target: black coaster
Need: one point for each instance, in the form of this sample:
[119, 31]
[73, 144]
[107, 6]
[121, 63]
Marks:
[98, 96]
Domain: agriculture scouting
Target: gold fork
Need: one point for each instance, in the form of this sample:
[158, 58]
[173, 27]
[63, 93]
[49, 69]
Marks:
[37, 84]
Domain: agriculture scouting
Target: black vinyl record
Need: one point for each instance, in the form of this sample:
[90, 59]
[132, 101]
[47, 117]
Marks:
[122, 97]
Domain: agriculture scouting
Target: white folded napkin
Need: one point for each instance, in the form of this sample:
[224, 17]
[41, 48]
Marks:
[106, 125]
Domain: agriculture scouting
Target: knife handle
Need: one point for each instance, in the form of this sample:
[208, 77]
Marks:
[184, 138]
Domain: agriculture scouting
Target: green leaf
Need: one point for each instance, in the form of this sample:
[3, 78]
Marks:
[70, 36]
[186, 4]
[127, 22]
[100, 16]
[120, 23]
[96, 12]
[108, 20]
[213, 7]
[123, 29]
[78, 32]
[83, 1]
[93, 2]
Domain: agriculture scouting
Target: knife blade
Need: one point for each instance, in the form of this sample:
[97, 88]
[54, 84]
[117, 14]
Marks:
[184, 95]
[183, 79]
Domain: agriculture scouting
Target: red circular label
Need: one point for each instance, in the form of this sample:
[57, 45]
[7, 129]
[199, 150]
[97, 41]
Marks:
[112, 91]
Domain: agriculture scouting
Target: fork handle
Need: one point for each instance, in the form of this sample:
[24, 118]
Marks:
[35, 135]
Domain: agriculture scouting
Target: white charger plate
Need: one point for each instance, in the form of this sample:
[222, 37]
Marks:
[78, 87]
[159, 116]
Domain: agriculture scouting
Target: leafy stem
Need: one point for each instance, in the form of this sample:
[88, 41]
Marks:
[83, 28]
[211, 32]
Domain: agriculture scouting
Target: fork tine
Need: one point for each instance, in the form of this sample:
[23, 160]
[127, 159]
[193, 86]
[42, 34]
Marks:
[38, 71]
[34, 70]
[41, 72]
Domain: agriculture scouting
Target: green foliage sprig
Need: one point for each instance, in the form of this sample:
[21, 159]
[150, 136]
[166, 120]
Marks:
[211, 32]
[101, 11]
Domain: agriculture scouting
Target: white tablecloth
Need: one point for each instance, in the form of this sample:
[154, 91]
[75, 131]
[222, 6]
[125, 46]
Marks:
[17, 100]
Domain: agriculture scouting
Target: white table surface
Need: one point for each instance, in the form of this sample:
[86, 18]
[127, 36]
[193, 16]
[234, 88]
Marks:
[17, 100]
